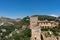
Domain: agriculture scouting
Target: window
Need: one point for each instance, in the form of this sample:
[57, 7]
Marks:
[42, 37]
[44, 22]
[35, 38]
[40, 22]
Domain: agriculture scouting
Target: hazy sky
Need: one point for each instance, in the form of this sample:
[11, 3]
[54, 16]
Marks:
[22, 8]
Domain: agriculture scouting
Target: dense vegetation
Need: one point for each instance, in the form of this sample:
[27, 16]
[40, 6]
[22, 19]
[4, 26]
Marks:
[45, 17]
[8, 30]
[55, 30]
[23, 35]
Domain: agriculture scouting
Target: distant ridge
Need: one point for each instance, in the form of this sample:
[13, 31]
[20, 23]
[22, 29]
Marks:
[45, 17]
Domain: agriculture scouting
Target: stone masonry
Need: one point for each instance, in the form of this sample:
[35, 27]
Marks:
[36, 33]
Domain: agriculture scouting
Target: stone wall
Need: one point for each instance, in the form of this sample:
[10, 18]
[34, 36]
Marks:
[36, 33]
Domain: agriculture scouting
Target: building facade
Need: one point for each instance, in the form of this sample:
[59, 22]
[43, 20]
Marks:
[35, 26]
[48, 24]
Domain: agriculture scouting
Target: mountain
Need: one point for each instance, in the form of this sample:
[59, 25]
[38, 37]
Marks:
[7, 21]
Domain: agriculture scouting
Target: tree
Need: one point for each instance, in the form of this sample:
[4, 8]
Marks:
[24, 35]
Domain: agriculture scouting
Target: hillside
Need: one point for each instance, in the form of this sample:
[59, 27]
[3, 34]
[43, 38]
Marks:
[20, 30]
[46, 17]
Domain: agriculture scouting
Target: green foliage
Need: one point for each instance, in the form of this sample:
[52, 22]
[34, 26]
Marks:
[27, 32]
[9, 29]
[45, 17]
[54, 30]
[24, 21]
[24, 35]
[59, 26]
[44, 29]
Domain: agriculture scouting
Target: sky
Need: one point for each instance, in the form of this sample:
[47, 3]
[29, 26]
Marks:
[22, 8]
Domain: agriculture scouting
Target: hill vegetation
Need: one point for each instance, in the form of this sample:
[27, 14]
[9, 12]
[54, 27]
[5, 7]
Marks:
[23, 34]
[46, 17]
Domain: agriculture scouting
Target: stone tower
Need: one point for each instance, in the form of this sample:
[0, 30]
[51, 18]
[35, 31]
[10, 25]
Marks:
[35, 29]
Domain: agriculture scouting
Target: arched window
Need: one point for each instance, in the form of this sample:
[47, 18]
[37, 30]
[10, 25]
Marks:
[35, 38]
[42, 37]
[57, 38]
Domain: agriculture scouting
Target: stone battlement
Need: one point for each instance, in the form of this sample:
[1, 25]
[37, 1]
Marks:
[35, 26]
